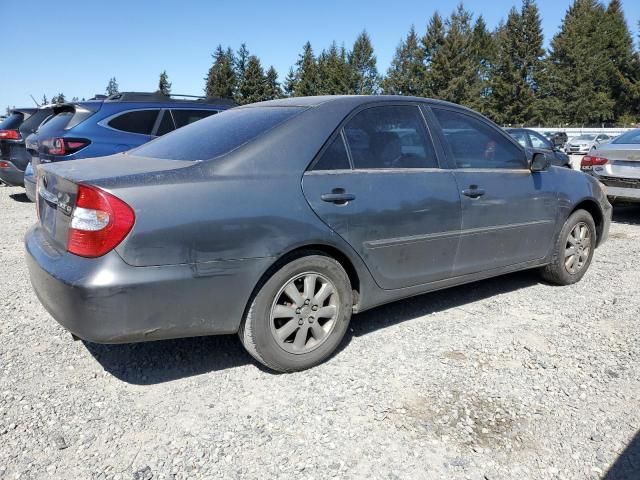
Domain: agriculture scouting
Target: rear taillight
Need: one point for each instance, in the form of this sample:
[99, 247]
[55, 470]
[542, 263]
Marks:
[64, 146]
[10, 135]
[4, 164]
[99, 222]
[591, 160]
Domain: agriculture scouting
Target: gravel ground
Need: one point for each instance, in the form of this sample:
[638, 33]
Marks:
[506, 378]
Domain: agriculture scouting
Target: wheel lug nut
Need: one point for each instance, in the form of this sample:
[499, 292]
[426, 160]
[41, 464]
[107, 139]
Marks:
[306, 302]
[297, 310]
[300, 322]
[310, 319]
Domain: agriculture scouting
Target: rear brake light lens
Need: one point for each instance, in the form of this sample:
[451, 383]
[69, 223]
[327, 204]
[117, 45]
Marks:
[99, 222]
[4, 164]
[65, 146]
[591, 160]
[10, 135]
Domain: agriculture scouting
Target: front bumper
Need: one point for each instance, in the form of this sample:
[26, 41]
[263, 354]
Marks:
[11, 175]
[105, 300]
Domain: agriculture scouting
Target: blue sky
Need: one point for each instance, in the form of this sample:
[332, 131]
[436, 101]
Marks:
[75, 46]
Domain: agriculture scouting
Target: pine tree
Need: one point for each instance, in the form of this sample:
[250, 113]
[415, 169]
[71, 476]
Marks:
[254, 82]
[272, 88]
[406, 74]
[241, 60]
[431, 43]
[112, 87]
[576, 88]
[307, 80]
[221, 79]
[334, 72]
[517, 66]
[164, 85]
[365, 79]
[60, 98]
[290, 83]
[45, 101]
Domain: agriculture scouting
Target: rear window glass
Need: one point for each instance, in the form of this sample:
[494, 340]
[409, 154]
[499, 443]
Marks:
[33, 122]
[65, 120]
[216, 135]
[166, 124]
[185, 117]
[137, 121]
[629, 138]
[12, 122]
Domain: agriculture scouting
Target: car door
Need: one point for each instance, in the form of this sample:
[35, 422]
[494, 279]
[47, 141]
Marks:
[377, 183]
[508, 212]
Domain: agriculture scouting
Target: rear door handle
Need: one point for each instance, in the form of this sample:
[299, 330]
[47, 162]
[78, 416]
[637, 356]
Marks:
[473, 191]
[338, 198]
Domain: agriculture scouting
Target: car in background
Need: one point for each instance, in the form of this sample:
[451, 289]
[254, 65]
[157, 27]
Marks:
[584, 143]
[103, 127]
[558, 139]
[617, 166]
[532, 139]
[280, 219]
[14, 157]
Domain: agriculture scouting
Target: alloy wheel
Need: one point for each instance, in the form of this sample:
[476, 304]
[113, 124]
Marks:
[577, 248]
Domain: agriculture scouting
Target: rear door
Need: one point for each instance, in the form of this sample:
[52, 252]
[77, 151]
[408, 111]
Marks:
[508, 212]
[378, 184]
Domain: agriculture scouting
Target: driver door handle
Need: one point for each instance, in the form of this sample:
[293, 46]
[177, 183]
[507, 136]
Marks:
[473, 191]
[338, 198]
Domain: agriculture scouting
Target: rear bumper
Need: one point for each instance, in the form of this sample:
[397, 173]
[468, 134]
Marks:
[30, 187]
[624, 194]
[12, 175]
[105, 300]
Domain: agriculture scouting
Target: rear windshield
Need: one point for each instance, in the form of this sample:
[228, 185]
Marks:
[585, 137]
[629, 138]
[31, 124]
[65, 120]
[12, 122]
[216, 135]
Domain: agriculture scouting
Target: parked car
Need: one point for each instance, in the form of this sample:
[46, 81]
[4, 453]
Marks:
[279, 219]
[583, 144]
[13, 152]
[617, 166]
[558, 139]
[532, 139]
[9, 135]
[118, 123]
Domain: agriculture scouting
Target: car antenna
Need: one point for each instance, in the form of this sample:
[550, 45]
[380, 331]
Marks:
[34, 101]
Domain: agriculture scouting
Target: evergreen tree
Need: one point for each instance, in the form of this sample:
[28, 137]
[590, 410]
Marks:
[164, 85]
[290, 83]
[254, 82]
[576, 87]
[307, 81]
[334, 72]
[112, 87]
[60, 98]
[45, 101]
[241, 60]
[431, 44]
[406, 74]
[517, 66]
[272, 88]
[221, 79]
[364, 72]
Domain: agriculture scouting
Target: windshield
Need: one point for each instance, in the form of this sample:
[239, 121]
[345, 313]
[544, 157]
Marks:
[12, 122]
[629, 138]
[585, 137]
[216, 135]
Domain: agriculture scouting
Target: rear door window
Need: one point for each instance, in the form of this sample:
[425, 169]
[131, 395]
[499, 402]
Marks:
[136, 121]
[392, 136]
[475, 144]
[185, 117]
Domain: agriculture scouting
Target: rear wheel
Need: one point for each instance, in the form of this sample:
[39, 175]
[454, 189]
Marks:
[299, 315]
[573, 250]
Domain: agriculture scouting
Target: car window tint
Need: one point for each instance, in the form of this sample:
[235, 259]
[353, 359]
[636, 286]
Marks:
[137, 121]
[631, 137]
[12, 122]
[520, 137]
[216, 135]
[390, 137]
[538, 141]
[334, 157]
[474, 144]
[185, 117]
[166, 124]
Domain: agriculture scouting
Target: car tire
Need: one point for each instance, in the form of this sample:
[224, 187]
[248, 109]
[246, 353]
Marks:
[320, 312]
[573, 250]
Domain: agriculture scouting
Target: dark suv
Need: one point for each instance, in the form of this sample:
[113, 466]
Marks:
[99, 128]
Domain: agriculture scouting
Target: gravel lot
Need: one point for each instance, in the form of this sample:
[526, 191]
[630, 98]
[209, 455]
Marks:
[502, 379]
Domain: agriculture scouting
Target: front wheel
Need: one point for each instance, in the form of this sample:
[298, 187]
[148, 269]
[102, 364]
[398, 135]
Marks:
[299, 315]
[573, 250]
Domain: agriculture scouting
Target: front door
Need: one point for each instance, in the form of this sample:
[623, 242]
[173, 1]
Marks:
[378, 185]
[508, 212]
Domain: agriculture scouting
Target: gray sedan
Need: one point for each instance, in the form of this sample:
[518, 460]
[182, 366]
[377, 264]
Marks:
[278, 220]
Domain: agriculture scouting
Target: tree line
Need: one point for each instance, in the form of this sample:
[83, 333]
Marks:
[590, 75]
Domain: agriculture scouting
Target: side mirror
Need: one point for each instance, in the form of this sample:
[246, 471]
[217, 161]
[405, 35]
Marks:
[539, 162]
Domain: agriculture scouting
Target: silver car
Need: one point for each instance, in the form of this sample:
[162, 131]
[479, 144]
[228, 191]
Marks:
[583, 144]
[617, 166]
